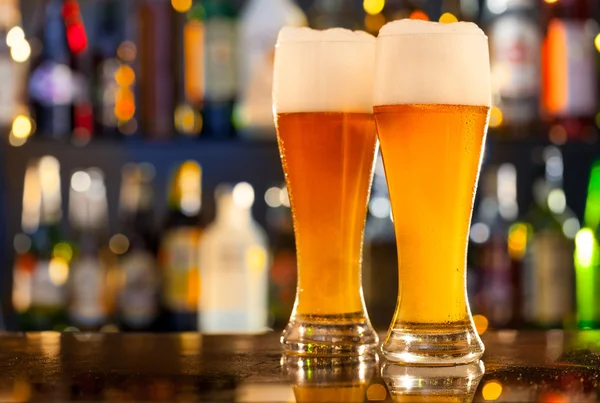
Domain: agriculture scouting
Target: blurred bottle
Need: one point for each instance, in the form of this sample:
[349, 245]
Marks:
[190, 68]
[515, 43]
[283, 274]
[380, 271]
[92, 280]
[112, 79]
[14, 56]
[156, 70]
[220, 78]
[325, 14]
[25, 260]
[548, 263]
[499, 269]
[569, 69]
[260, 23]
[137, 302]
[233, 267]
[587, 257]
[47, 309]
[51, 84]
[178, 254]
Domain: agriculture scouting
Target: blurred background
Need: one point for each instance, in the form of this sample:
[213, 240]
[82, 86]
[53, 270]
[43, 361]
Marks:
[139, 159]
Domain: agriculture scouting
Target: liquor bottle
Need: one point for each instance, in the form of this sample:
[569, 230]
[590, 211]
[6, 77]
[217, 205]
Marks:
[380, 272]
[548, 261]
[220, 77]
[178, 254]
[515, 49]
[190, 69]
[587, 257]
[260, 23]
[283, 274]
[498, 297]
[156, 56]
[112, 79]
[233, 267]
[24, 255]
[138, 299]
[47, 310]
[51, 85]
[14, 52]
[569, 69]
[91, 287]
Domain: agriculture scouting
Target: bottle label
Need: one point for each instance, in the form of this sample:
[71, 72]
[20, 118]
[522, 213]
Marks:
[88, 286]
[47, 288]
[219, 64]
[139, 295]
[550, 260]
[570, 67]
[515, 42]
[8, 95]
[180, 269]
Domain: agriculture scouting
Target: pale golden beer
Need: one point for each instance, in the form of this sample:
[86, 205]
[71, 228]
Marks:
[327, 158]
[431, 122]
[327, 138]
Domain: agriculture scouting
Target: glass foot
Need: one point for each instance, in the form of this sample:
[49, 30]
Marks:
[433, 384]
[433, 344]
[329, 335]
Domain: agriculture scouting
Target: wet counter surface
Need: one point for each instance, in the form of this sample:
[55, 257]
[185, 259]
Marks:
[551, 366]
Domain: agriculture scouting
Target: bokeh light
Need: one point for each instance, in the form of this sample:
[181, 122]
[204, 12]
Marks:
[491, 390]
[373, 7]
[448, 18]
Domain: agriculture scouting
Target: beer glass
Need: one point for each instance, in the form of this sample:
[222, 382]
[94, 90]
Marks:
[431, 106]
[322, 91]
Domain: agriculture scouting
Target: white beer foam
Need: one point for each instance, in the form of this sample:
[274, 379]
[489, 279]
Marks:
[323, 71]
[421, 62]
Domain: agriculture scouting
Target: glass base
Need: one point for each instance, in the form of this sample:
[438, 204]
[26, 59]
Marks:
[329, 335]
[433, 344]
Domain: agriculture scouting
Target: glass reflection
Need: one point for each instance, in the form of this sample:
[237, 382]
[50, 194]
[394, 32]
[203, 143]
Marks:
[329, 379]
[432, 384]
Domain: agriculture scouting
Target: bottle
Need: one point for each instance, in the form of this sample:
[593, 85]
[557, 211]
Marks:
[24, 255]
[51, 82]
[260, 23]
[156, 90]
[233, 267]
[515, 53]
[178, 254]
[14, 54]
[112, 79]
[548, 261]
[498, 297]
[587, 257]
[190, 68]
[380, 272]
[91, 287]
[283, 273]
[138, 298]
[569, 69]
[47, 310]
[220, 77]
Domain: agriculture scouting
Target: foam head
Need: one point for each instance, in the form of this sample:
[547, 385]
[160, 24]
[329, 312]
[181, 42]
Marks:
[323, 71]
[420, 62]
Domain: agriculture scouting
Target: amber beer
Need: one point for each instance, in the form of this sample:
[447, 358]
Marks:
[327, 140]
[431, 123]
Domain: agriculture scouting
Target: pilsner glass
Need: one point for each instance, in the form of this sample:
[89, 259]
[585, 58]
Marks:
[431, 107]
[323, 83]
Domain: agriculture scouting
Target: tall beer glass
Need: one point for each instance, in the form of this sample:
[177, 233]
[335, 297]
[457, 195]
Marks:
[432, 98]
[323, 84]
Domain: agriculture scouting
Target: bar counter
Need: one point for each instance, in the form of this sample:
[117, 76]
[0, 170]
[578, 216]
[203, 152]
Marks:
[552, 366]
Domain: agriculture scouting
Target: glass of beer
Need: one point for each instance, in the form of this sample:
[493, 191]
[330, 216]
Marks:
[431, 106]
[322, 92]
